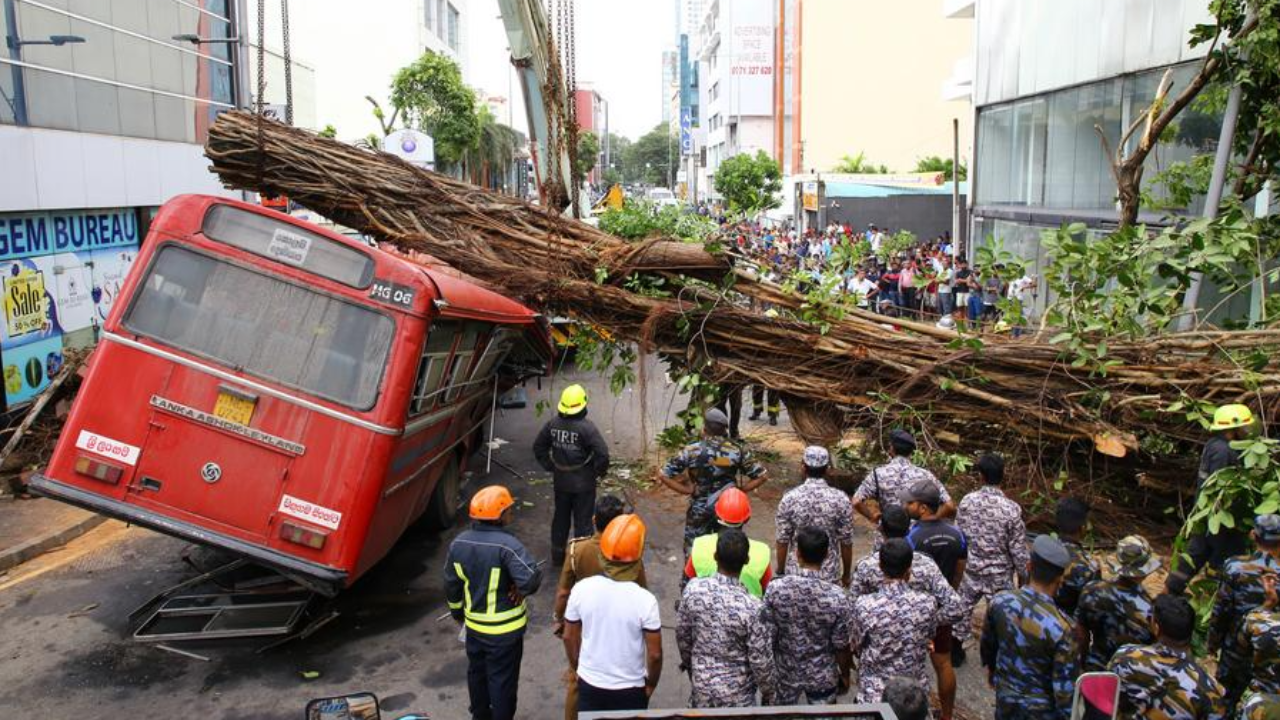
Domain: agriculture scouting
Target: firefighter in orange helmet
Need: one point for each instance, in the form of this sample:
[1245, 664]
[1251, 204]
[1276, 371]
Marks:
[733, 509]
[487, 576]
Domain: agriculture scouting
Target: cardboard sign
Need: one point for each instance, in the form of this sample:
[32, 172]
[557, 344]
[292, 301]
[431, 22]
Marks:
[310, 512]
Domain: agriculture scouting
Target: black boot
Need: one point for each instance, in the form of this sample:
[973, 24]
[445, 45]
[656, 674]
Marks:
[755, 415]
[773, 419]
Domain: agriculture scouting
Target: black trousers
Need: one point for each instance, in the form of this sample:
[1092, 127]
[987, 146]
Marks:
[571, 507]
[757, 401]
[731, 405]
[493, 674]
[594, 698]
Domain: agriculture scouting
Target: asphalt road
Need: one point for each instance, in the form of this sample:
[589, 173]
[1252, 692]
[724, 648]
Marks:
[66, 649]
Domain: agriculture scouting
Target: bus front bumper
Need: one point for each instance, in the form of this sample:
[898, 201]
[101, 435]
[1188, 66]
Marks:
[321, 578]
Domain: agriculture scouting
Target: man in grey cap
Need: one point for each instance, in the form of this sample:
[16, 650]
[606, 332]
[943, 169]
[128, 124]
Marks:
[887, 483]
[1029, 645]
[701, 470]
[1118, 612]
[816, 504]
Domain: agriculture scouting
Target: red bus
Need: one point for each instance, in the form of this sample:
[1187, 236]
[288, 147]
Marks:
[283, 392]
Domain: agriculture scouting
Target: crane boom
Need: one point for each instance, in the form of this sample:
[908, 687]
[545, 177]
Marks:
[554, 138]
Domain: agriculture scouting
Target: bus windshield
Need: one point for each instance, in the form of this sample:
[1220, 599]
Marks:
[264, 326]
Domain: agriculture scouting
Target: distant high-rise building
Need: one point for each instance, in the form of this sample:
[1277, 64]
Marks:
[444, 29]
[670, 81]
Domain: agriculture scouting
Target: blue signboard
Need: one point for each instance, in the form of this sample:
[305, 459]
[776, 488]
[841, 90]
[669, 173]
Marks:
[686, 131]
[29, 235]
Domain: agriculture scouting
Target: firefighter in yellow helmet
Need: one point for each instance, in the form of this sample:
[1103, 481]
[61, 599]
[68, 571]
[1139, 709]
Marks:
[1230, 423]
[575, 453]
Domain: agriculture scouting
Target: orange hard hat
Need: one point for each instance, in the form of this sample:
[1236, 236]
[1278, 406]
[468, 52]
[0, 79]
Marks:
[489, 502]
[733, 507]
[623, 539]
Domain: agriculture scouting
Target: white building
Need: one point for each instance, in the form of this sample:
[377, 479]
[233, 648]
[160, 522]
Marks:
[735, 47]
[444, 29]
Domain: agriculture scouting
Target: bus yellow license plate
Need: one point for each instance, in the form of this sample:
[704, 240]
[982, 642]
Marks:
[233, 408]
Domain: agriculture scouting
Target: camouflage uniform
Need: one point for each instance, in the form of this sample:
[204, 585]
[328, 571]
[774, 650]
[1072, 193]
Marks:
[1261, 707]
[1030, 647]
[1240, 592]
[997, 549]
[713, 463]
[891, 633]
[1113, 615]
[1158, 682]
[809, 620]
[1083, 570]
[724, 643]
[816, 504]
[868, 579]
[887, 483]
[1259, 641]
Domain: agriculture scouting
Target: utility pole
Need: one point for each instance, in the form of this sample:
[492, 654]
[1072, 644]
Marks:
[955, 189]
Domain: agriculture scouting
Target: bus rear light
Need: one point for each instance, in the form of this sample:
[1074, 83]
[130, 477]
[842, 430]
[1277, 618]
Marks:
[100, 471]
[305, 536]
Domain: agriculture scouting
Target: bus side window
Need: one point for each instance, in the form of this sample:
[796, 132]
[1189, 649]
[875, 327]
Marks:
[432, 365]
[473, 334]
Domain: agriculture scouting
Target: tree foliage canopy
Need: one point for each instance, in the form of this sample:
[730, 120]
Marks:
[588, 155]
[431, 95]
[859, 165]
[933, 163]
[750, 183]
[651, 158]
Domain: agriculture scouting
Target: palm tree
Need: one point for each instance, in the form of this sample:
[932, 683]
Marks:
[495, 150]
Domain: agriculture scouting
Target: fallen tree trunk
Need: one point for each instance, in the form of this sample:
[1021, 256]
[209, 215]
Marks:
[859, 372]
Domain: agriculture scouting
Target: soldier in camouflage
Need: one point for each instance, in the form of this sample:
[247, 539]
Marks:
[868, 578]
[1029, 645]
[887, 483]
[1163, 681]
[1070, 518]
[706, 467]
[724, 643]
[816, 504]
[892, 627]
[1118, 612]
[997, 544]
[1259, 642]
[809, 621]
[1240, 592]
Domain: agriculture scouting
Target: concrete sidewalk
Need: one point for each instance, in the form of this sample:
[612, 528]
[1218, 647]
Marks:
[31, 527]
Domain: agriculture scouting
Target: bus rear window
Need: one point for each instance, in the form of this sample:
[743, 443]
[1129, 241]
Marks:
[288, 244]
[264, 326]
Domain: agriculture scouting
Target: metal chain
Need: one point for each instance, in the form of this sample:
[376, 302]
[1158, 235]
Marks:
[288, 63]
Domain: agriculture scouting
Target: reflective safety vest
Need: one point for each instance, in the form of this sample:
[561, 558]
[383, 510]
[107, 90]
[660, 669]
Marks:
[703, 556]
[483, 566]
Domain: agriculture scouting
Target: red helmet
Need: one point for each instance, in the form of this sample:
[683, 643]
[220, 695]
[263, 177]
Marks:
[733, 508]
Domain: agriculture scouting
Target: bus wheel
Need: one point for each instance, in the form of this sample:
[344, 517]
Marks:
[442, 513]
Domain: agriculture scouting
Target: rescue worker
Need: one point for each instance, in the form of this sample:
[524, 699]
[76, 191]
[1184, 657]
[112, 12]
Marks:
[816, 504]
[1070, 518]
[809, 620]
[925, 575]
[892, 627]
[1259, 641]
[733, 510]
[1240, 592]
[724, 644]
[573, 451]
[997, 545]
[1118, 612]
[1230, 423]
[1029, 645]
[487, 576]
[1164, 680]
[704, 468]
[585, 560]
[758, 406]
[731, 403]
[887, 483]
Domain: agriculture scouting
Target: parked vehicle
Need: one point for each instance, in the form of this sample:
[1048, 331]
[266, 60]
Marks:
[662, 197]
[286, 393]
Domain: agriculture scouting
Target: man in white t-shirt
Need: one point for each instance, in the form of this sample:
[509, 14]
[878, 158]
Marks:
[862, 288]
[613, 631]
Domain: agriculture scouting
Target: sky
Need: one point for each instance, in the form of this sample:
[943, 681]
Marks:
[355, 53]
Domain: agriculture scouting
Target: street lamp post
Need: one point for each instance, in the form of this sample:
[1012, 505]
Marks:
[15, 44]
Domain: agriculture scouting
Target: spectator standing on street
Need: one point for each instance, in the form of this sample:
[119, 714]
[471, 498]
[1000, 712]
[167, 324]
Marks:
[1118, 612]
[1070, 518]
[585, 560]
[809, 620]
[613, 635]
[575, 453]
[997, 537]
[887, 483]
[893, 626]
[961, 286]
[1029, 646]
[946, 298]
[942, 541]
[1164, 680]
[733, 510]
[816, 504]
[723, 641]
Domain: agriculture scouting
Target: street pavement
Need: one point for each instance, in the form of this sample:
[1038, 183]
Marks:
[66, 649]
